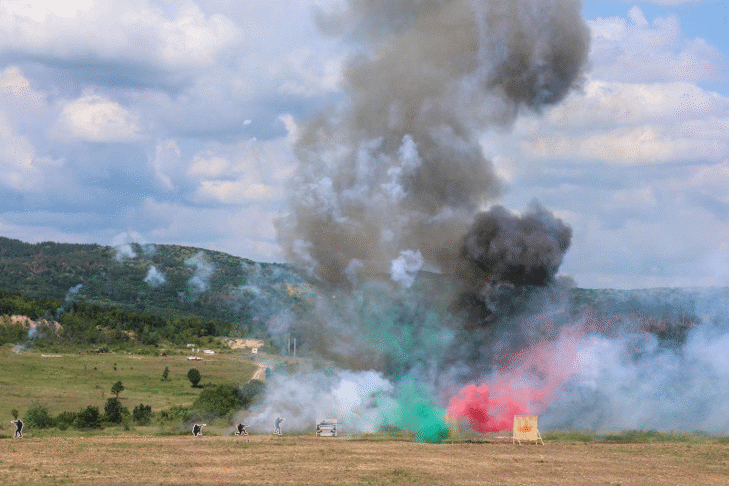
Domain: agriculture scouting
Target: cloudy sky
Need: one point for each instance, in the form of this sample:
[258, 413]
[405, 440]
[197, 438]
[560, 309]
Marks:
[172, 122]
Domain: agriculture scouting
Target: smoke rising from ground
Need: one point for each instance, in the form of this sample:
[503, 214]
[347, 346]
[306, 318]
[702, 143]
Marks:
[356, 399]
[124, 243]
[390, 184]
[639, 371]
[436, 301]
[203, 271]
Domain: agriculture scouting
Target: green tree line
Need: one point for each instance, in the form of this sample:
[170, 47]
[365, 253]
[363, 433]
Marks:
[214, 401]
[96, 324]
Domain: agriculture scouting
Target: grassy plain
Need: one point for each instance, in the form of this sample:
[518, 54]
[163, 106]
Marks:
[78, 379]
[306, 460]
[146, 456]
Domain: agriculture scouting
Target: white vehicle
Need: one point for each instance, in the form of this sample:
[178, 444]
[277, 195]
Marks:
[326, 428]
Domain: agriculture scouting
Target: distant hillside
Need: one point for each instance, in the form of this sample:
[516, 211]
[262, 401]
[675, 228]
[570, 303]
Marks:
[183, 281]
[152, 278]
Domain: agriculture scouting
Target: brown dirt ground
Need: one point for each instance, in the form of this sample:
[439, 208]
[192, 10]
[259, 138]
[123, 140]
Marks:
[299, 460]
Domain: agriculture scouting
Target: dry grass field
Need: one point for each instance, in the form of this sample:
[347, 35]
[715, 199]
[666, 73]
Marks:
[305, 460]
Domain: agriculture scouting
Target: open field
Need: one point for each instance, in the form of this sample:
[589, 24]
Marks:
[76, 380]
[303, 460]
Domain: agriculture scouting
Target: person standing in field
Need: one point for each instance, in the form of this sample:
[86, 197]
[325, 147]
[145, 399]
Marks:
[18, 428]
[277, 426]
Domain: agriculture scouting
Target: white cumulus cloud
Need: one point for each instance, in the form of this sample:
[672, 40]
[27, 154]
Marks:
[94, 118]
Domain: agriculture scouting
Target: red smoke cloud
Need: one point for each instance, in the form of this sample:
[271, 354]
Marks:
[484, 414]
[533, 376]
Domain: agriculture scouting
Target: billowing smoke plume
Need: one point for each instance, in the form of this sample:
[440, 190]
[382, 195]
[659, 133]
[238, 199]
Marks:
[503, 257]
[386, 199]
[356, 399]
[399, 167]
[650, 359]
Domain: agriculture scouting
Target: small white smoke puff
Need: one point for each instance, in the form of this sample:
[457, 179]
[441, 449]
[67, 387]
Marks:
[200, 281]
[154, 277]
[33, 331]
[405, 267]
[122, 244]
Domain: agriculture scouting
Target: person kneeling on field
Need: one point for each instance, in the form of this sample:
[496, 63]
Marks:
[240, 429]
[197, 429]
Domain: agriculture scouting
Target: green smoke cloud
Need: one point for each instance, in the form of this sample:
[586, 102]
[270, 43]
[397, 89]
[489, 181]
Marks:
[416, 413]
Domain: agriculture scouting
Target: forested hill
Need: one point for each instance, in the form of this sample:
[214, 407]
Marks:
[158, 279]
[172, 282]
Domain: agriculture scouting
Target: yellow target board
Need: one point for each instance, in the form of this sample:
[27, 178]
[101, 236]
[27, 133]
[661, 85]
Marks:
[526, 428]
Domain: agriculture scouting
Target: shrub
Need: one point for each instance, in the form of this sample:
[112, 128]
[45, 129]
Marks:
[142, 414]
[218, 400]
[194, 376]
[176, 413]
[65, 420]
[88, 417]
[250, 391]
[37, 416]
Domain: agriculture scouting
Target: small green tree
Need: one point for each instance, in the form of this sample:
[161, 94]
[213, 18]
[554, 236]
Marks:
[14, 412]
[117, 388]
[142, 414]
[194, 376]
[166, 373]
[114, 411]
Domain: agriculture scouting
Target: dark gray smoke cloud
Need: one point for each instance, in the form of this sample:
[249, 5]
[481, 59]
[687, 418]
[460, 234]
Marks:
[398, 167]
[502, 259]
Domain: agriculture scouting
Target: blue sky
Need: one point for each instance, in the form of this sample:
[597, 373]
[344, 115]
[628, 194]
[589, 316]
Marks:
[173, 122]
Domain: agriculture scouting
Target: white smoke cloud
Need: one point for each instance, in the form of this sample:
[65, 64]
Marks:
[616, 376]
[33, 331]
[203, 270]
[154, 277]
[405, 267]
[122, 244]
[356, 399]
